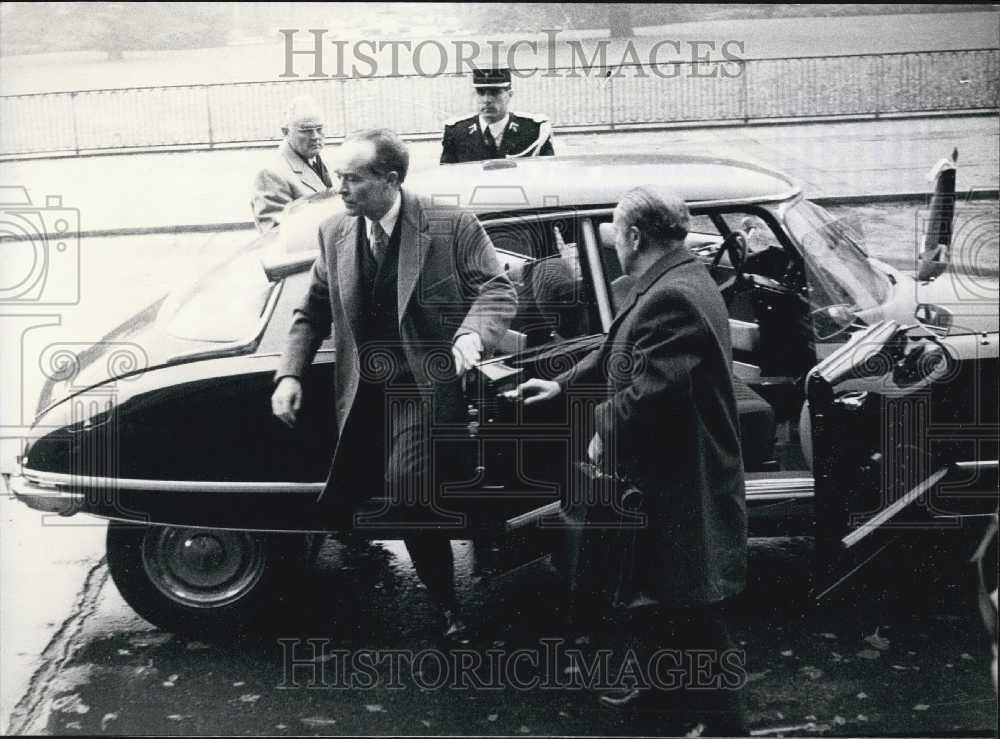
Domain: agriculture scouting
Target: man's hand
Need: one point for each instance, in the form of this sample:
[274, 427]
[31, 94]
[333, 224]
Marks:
[467, 350]
[534, 391]
[596, 449]
[286, 400]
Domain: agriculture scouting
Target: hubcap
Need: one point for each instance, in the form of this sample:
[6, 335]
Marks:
[203, 568]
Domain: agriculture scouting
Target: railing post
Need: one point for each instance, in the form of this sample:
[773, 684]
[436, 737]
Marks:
[76, 134]
[879, 71]
[208, 109]
[611, 100]
[746, 92]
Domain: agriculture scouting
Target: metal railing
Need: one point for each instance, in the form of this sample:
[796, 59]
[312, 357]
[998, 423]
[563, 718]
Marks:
[206, 116]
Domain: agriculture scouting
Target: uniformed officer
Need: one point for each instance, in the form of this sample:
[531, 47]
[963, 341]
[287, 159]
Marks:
[495, 132]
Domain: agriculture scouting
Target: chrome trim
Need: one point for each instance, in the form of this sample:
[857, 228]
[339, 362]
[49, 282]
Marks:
[979, 464]
[54, 483]
[872, 524]
[593, 254]
[240, 346]
[53, 480]
[47, 500]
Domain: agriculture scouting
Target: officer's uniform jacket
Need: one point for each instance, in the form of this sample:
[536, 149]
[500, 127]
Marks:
[526, 135]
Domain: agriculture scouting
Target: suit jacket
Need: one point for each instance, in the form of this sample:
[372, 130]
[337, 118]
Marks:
[449, 282]
[670, 424]
[286, 177]
[526, 135]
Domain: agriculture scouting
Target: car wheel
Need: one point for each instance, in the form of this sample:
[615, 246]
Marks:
[202, 581]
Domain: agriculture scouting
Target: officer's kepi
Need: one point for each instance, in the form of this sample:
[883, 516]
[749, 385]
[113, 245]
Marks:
[495, 78]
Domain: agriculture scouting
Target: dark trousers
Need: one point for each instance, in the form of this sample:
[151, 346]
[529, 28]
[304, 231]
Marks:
[691, 665]
[399, 452]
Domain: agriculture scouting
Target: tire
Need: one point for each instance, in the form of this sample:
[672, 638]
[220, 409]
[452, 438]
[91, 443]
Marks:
[203, 582]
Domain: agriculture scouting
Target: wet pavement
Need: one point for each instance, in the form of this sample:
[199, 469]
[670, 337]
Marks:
[904, 653]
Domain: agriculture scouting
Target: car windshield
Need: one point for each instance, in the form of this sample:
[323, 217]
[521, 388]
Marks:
[224, 305]
[837, 267]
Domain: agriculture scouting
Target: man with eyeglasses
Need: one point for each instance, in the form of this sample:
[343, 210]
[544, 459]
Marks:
[296, 170]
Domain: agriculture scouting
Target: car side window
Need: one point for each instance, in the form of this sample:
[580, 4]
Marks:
[543, 260]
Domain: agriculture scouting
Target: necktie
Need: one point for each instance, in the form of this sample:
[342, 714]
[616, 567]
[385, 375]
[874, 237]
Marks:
[316, 165]
[379, 240]
[491, 143]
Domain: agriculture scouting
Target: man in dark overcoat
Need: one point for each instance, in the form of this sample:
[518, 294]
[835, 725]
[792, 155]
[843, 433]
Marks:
[415, 295]
[670, 427]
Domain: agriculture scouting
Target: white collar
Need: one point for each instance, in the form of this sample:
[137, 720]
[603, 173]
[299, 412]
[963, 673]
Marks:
[497, 128]
[388, 221]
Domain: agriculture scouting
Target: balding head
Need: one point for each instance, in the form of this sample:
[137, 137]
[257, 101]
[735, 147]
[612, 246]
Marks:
[648, 222]
[303, 127]
[661, 217]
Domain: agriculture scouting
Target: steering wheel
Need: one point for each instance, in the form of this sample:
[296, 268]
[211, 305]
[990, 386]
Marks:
[735, 245]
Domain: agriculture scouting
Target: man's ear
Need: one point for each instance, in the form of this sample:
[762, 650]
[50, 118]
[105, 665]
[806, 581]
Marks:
[392, 177]
[284, 130]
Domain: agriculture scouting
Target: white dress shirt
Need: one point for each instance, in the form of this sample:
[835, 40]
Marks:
[388, 221]
[496, 129]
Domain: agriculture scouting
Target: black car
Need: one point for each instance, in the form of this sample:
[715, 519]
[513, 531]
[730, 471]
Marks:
[167, 422]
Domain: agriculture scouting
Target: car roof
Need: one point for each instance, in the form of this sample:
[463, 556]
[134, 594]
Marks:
[537, 183]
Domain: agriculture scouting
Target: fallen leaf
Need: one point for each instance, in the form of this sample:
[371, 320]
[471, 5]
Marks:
[862, 717]
[786, 652]
[249, 698]
[374, 708]
[426, 723]
[755, 676]
[696, 731]
[921, 707]
[492, 717]
[107, 719]
[948, 664]
[779, 714]
[71, 703]
[811, 672]
[318, 721]
[836, 656]
[839, 720]
[898, 667]
[239, 684]
[498, 643]
[280, 726]
[524, 730]
[828, 635]
[911, 653]
[74, 725]
[581, 640]
[178, 717]
[168, 684]
[862, 695]
[965, 655]
[879, 642]
[124, 652]
[150, 640]
[194, 646]
[572, 670]
[564, 714]
[869, 654]
[810, 717]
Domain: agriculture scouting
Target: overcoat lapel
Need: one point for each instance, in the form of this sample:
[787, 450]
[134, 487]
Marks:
[414, 244]
[349, 274]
